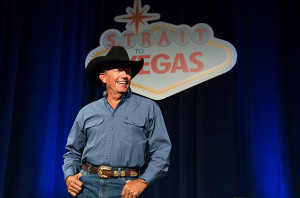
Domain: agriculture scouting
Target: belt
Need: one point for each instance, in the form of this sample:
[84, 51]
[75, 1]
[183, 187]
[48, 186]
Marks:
[108, 172]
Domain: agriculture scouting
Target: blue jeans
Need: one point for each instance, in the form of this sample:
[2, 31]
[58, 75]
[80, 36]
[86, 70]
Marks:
[93, 186]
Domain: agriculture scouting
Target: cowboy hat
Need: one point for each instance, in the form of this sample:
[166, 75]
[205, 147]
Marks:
[116, 57]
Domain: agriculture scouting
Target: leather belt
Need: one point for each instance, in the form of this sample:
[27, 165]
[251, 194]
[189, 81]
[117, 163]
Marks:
[108, 172]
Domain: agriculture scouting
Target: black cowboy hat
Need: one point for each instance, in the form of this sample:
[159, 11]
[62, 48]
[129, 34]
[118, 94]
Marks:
[116, 57]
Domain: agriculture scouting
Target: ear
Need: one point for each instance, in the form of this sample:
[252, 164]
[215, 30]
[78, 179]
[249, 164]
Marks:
[102, 77]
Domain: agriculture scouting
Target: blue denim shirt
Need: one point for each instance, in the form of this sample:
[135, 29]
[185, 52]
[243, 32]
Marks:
[132, 135]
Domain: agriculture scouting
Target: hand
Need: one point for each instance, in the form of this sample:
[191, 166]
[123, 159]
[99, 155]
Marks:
[133, 188]
[73, 184]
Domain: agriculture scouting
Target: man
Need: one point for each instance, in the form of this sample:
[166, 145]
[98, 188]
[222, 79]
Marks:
[119, 144]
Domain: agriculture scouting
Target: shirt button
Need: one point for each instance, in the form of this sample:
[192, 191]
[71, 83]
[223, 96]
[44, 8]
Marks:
[114, 115]
[106, 157]
[111, 128]
[133, 122]
[108, 142]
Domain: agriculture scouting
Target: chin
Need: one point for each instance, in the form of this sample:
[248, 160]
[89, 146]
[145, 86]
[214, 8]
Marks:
[123, 90]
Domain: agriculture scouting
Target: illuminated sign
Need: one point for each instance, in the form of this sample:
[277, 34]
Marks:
[176, 57]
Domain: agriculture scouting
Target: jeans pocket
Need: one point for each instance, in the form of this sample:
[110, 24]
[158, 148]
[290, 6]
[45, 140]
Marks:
[84, 173]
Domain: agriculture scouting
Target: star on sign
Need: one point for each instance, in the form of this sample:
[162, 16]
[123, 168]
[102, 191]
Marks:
[137, 17]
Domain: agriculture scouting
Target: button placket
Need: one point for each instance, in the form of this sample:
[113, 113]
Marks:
[109, 139]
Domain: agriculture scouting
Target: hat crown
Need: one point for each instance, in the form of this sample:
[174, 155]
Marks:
[119, 53]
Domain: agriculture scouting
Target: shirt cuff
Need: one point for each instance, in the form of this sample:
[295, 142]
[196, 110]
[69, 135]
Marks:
[68, 172]
[148, 177]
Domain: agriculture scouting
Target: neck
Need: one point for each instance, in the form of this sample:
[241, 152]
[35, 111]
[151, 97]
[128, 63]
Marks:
[114, 99]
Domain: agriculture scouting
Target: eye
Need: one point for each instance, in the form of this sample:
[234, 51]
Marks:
[128, 71]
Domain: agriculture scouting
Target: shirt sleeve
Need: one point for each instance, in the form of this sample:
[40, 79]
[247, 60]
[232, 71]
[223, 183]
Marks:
[74, 148]
[159, 148]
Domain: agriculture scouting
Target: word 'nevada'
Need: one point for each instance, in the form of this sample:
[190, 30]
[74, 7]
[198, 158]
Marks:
[163, 37]
[161, 63]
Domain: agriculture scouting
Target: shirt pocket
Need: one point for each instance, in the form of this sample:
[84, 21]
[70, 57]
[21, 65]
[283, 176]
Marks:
[136, 126]
[93, 123]
[93, 127]
[135, 122]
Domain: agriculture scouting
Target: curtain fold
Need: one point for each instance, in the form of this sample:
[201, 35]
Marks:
[234, 135]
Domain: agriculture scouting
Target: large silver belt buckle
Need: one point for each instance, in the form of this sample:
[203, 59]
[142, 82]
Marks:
[101, 169]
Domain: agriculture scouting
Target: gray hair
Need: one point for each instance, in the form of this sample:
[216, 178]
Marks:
[105, 72]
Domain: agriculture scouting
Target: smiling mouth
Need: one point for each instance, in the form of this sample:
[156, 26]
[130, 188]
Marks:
[123, 83]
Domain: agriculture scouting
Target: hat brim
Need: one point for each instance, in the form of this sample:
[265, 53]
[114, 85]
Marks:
[100, 63]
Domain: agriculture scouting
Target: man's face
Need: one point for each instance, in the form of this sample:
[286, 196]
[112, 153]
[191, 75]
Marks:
[117, 80]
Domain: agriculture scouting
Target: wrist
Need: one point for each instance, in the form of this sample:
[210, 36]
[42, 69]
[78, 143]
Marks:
[144, 181]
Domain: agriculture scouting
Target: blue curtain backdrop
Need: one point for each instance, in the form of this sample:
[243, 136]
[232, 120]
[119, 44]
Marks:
[234, 135]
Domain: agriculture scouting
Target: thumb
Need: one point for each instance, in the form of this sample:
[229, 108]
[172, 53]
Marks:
[79, 175]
